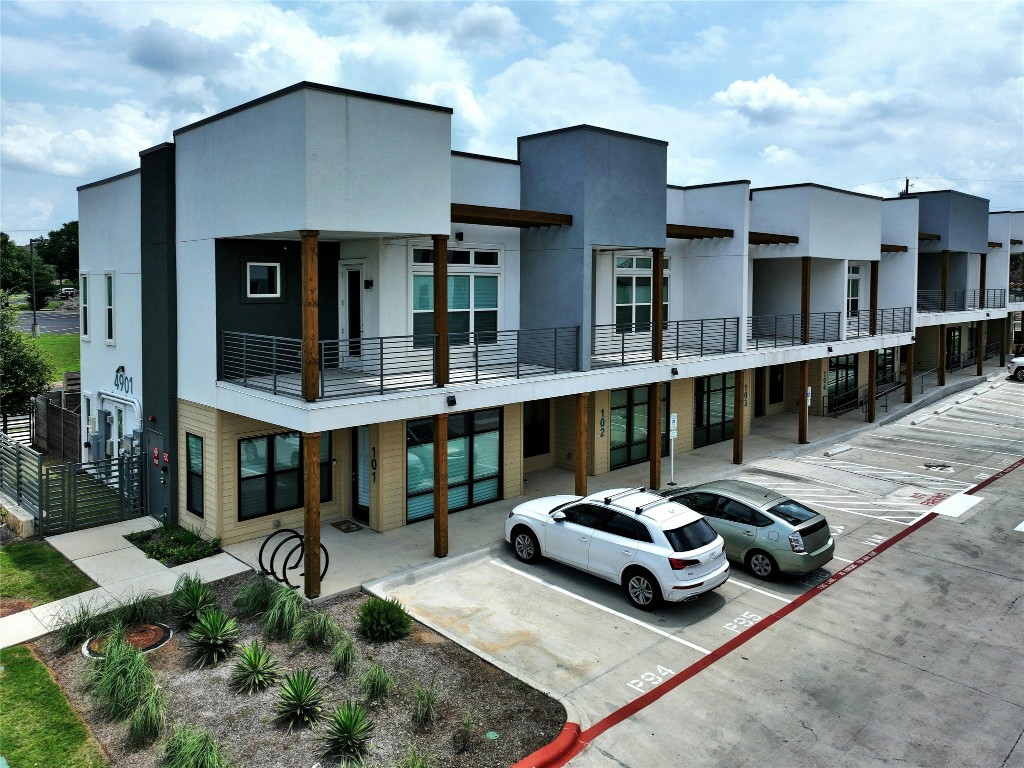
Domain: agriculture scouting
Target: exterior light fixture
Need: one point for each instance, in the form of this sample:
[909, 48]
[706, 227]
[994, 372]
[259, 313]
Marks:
[450, 400]
[675, 371]
[459, 236]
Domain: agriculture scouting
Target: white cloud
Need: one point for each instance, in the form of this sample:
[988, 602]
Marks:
[775, 155]
[709, 45]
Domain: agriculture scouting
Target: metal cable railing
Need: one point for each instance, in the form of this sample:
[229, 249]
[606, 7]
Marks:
[787, 330]
[689, 338]
[512, 354]
[889, 320]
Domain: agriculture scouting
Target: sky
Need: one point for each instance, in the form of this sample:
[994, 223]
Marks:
[855, 95]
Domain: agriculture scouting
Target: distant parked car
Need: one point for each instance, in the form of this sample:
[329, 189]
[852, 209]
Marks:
[67, 293]
[655, 548]
[1015, 368]
[766, 531]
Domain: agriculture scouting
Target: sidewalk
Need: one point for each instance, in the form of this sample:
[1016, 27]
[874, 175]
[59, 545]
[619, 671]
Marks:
[120, 571]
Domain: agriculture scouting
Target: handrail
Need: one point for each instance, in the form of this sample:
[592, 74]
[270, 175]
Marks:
[889, 320]
[787, 330]
[616, 344]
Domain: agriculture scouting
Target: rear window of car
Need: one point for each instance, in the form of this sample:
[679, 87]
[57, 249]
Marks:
[792, 512]
[693, 536]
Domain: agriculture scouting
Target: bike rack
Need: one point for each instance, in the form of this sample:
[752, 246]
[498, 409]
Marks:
[299, 546]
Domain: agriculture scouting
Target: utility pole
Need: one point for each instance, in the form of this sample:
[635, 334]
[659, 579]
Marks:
[32, 264]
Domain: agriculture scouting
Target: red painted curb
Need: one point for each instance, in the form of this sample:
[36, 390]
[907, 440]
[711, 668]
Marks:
[554, 753]
[1001, 473]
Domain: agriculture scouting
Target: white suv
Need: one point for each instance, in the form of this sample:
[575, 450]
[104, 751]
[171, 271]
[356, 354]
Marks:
[1015, 368]
[654, 547]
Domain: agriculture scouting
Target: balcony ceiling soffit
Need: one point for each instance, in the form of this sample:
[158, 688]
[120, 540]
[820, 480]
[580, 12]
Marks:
[690, 232]
[507, 217]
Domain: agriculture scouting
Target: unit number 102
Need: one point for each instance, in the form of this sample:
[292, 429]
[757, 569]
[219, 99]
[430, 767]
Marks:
[649, 679]
[740, 623]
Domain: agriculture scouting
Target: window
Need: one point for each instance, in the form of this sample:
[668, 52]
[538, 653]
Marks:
[713, 398]
[633, 294]
[263, 280]
[270, 473]
[474, 462]
[619, 524]
[472, 297]
[735, 512]
[886, 371]
[693, 536]
[536, 428]
[109, 281]
[194, 474]
[586, 515]
[842, 381]
[852, 290]
[629, 426]
[83, 281]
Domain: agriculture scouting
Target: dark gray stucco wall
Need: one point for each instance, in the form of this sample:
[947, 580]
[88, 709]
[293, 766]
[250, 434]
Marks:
[614, 185]
[961, 221]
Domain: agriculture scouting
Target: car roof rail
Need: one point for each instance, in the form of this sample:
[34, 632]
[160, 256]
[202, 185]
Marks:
[608, 499]
[640, 510]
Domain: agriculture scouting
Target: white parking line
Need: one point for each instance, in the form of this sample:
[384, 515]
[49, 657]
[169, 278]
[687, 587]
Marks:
[752, 588]
[1019, 527]
[982, 423]
[841, 559]
[600, 607]
[926, 458]
[970, 434]
[933, 444]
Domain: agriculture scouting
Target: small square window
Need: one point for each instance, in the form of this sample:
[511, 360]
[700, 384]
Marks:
[263, 281]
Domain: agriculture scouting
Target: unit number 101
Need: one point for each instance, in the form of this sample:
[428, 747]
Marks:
[740, 623]
[649, 679]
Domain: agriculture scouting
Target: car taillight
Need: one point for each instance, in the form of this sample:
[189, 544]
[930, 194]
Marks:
[796, 541]
[679, 564]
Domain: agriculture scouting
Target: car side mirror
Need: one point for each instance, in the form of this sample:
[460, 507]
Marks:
[558, 516]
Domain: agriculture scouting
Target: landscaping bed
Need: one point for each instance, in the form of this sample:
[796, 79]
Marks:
[474, 699]
[172, 545]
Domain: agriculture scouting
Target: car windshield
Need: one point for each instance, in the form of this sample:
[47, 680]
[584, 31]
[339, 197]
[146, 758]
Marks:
[693, 536]
[793, 512]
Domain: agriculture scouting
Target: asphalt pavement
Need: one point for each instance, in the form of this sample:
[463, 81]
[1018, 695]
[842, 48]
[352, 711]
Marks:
[50, 321]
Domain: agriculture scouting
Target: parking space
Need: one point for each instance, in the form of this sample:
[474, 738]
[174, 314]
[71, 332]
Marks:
[577, 637]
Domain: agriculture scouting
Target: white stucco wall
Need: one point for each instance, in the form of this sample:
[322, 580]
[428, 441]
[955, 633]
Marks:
[478, 181]
[897, 272]
[197, 321]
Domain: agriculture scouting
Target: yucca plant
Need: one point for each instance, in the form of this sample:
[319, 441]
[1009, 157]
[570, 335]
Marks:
[192, 748]
[255, 669]
[425, 712]
[383, 620]
[77, 623]
[213, 637]
[148, 720]
[343, 655]
[301, 699]
[254, 596]
[141, 609]
[349, 730]
[376, 682]
[121, 680]
[191, 597]
[283, 614]
[318, 629]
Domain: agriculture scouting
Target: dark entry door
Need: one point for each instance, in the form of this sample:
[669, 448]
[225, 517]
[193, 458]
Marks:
[759, 393]
[953, 349]
[362, 465]
[157, 477]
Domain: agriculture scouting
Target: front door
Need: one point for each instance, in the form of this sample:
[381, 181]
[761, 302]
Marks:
[157, 492]
[953, 348]
[759, 393]
[350, 312]
[361, 462]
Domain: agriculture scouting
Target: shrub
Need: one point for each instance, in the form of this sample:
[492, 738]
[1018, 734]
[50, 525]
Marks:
[141, 609]
[192, 748]
[213, 637]
[383, 620]
[462, 737]
[349, 730]
[77, 623]
[413, 759]
[343, 655]
[148, 720]
[283, 614]
[254, 596]
[121, 679]
[318, 629]
[426, 705]
[376, 682]
[191, 597]
[300, 700]
[255, 669]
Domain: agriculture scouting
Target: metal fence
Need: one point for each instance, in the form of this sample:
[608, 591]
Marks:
[84, 495]
[58, 428]
[19, 428]
[476, 357]
[933, 300]
[890, 320]
[20, 473]
[787, 330]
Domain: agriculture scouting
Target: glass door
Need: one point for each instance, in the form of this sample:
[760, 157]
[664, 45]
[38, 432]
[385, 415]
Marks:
[350, 312]
[629, 426]
[361, 474]
[713, 409]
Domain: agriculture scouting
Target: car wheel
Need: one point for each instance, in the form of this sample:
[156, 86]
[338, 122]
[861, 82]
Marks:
[1019, 374]
[642, 589]
[762, 565]
[525, 544]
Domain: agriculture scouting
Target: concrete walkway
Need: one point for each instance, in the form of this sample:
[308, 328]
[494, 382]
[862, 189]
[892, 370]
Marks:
[120, 570]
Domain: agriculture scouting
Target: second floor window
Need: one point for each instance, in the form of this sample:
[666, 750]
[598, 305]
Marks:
[263, 280]
[84, 303]
[852, 290]
[634, 294]
[109, 281]
[472, 297]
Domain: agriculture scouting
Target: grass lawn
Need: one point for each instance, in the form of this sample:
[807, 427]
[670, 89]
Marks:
[61, 352]
[33, 570]
[37, 725]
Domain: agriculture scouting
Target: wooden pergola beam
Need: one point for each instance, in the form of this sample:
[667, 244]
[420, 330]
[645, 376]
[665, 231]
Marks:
[928, 236]
[690, 232]
[507, 217]
[1015, 241]
[993, 244]
[889, 248]
[771, 238]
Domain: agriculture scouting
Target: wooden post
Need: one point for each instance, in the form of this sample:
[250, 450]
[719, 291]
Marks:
[441, 373]
[873, 301]
[582, 403]
[872, 384]
[440, 484]
[981, 339]
[944, 280]
[657, 299]
[311, 520]
[942, 356]
[654, 432]
[310, 316]
[805, 302]
[805, 379]
[908, 385]
[738, 416]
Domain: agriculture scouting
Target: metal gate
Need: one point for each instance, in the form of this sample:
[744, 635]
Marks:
[85, 495]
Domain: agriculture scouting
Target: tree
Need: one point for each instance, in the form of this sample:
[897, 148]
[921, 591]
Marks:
[16, 271]
[23, 371]
[61, 250]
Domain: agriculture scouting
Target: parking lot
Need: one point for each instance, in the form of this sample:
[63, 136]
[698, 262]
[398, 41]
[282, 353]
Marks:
[904, 649]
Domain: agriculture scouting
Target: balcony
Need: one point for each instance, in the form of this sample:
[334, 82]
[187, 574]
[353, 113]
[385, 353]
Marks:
[892, 320]
[383, 365]
[630, 343]
[766, 331]
[932, 300]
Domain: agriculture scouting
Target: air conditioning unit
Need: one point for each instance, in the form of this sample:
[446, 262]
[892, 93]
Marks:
[92, 425]
[126, 445]
[110, 448]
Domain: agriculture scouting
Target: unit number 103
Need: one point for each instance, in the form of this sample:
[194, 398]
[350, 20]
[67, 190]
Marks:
[743, 622]
[650, 679]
